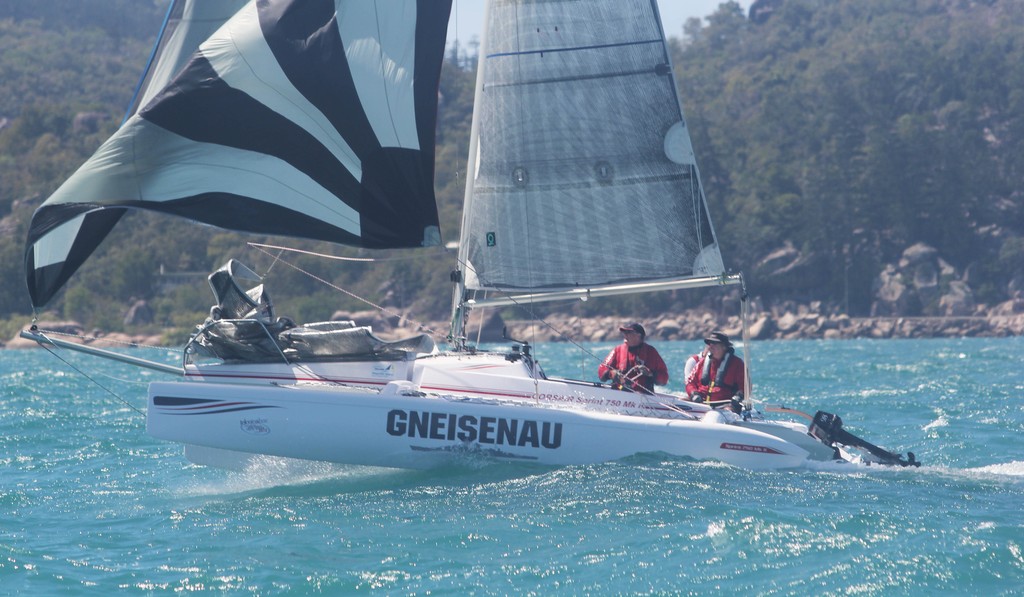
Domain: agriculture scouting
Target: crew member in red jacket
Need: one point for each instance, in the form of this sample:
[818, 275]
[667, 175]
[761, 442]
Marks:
[719, 375]
[634, 362]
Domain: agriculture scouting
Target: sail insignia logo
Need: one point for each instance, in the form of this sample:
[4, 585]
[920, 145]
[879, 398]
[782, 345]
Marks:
[255, 426]
[383, 371]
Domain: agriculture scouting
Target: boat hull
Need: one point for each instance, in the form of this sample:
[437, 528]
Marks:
[402, 428]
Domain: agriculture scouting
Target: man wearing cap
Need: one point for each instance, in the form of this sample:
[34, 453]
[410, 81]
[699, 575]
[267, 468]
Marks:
[719, 374]
[634, 362]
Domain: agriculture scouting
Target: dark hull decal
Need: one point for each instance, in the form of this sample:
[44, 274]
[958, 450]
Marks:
[173, 405]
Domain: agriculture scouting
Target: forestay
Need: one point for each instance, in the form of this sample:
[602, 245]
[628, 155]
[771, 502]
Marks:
[305, 118]
[582, 173]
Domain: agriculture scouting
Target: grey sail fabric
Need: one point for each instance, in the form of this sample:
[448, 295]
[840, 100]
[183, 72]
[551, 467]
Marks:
[581, 169]
[305, 118]
[243, 327]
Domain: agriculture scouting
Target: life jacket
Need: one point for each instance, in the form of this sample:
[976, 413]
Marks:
[705, 374]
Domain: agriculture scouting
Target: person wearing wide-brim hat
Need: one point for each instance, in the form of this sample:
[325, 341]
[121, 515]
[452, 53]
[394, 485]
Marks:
[634, 364]
[718, 378]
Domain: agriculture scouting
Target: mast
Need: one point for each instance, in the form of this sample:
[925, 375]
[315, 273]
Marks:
[460, 311]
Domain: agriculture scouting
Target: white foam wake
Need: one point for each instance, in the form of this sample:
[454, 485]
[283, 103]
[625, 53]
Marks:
[1012, 469]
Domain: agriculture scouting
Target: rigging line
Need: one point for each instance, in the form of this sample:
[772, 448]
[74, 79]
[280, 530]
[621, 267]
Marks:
[351, 259]
[748, 388]
[672, 407]
[567, 79]
[107, 340]
[87, 376]
[528, 309]
[419, 326]
[274, 262]
[526, 191]
[577, 328]
[639, 42]
[150, 62]
[654, 399]
[480, 328]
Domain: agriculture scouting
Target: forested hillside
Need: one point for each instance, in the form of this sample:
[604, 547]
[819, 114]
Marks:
[862, 153]
[835, 135]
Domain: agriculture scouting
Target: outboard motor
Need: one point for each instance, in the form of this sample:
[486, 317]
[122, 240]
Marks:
[828, 428]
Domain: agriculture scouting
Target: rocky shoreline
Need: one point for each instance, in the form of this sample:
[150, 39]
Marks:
[801, 325]
[802, 322]
[920, 296]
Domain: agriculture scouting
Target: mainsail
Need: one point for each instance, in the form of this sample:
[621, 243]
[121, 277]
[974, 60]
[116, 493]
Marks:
[582, 174]
[304, 118]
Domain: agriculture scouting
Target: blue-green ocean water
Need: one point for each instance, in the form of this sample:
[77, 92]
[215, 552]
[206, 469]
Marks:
[90, 504]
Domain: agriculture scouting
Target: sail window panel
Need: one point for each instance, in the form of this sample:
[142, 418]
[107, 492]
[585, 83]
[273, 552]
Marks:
[380, 45]
[678, 147]
[234, 51]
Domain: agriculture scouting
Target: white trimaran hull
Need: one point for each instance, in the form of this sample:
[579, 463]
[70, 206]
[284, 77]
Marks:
[298, 120]
[435, 410]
